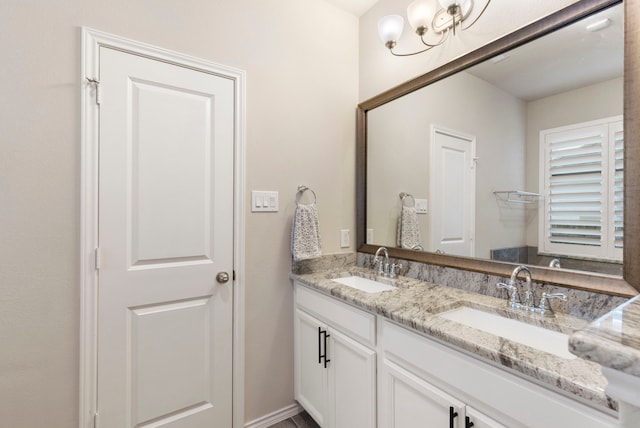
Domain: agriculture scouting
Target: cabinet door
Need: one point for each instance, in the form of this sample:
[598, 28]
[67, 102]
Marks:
[309, 373]
[407, 401]
[352, 383]
[480, 420]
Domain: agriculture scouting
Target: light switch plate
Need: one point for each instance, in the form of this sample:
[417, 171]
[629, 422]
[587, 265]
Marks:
[263, 201]
[422, 206]
[345, 240]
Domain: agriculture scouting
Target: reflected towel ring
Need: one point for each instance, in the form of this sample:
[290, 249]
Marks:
[404, 195]
[301, 190]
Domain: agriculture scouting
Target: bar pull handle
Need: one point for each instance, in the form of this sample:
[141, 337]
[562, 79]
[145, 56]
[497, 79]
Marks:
[322, 346]
[452, 416]
[326, 360]
[467, 422]
[319, 345]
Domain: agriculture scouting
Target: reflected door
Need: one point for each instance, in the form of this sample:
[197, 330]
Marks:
[453, 192]
[165, 231]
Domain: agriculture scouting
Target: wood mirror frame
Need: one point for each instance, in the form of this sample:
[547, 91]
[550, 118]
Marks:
[629, 284]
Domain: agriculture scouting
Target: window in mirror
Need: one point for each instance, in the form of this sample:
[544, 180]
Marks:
[583, 187]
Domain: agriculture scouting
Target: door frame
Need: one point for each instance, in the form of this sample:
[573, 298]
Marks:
[92, 41]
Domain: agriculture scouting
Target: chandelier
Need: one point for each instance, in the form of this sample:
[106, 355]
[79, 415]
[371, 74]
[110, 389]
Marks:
[423, 15]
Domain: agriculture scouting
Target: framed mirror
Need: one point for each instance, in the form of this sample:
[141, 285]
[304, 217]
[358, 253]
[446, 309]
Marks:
[471, 143]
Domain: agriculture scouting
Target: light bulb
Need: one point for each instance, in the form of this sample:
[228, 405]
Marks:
[451, 3]
[420, 13]
[390, 28]
[448, 3]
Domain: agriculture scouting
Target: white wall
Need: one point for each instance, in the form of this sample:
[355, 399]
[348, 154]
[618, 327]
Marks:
[302, 89]
[301, 94]
[599, 101]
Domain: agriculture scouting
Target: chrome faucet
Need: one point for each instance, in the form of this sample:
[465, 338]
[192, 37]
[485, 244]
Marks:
[529, 304]
[383, 268]
[529, 296]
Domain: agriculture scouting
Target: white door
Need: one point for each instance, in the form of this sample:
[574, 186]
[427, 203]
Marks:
[309, 373]
[453, 192]
[352, 383]
[407, 401]
[165, 232]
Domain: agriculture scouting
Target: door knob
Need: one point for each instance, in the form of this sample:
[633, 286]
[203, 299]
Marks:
[222, 277]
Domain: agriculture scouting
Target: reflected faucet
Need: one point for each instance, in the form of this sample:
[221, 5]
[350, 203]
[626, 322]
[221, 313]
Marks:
[554, 263]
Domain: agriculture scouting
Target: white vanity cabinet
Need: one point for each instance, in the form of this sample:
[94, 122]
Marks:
[335, 361]
[422, 383]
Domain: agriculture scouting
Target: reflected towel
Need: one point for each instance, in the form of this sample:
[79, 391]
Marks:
[408, 232]
[305, 233]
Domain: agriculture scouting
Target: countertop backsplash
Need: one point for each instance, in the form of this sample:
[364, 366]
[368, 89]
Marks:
[581, 304]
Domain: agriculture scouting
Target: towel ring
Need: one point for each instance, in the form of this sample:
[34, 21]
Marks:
[404, 195]
[301, 190]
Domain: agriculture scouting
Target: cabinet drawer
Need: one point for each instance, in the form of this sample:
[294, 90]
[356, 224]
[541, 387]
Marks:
[354, 322]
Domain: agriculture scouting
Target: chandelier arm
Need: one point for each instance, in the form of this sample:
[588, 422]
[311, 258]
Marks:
[413, 53]
[442, 39]
[478, 17]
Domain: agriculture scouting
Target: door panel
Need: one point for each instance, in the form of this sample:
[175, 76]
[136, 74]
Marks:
[165, 231]
[310, 374]
[352, 383]
[169, 369]
[406, 401]
[170, 168]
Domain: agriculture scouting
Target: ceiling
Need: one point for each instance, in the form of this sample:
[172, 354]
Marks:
[567, 59]
[356, 7]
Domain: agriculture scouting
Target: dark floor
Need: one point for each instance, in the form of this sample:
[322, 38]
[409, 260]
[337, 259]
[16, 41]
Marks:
[303, 420]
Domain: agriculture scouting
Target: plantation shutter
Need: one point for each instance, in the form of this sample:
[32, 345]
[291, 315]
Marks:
[618, 184]
[582, 173]
[575, 186]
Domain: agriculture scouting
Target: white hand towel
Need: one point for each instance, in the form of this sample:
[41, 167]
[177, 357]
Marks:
[408, 234]
[305, 233]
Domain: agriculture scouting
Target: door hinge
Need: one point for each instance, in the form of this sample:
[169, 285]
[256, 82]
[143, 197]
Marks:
[96, 85]
[97, 258]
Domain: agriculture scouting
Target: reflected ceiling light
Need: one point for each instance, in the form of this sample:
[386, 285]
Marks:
[599, 25]
[424, 15]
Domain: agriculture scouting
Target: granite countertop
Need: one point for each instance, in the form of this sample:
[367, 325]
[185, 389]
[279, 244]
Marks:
[415, 304]
[613, 340]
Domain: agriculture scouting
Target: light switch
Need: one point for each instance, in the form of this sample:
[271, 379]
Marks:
[264, 201]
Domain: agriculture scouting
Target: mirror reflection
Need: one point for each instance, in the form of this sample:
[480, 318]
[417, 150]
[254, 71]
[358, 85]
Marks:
[516, 159]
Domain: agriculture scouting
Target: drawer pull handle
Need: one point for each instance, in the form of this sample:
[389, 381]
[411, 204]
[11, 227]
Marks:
[452, 416]
[467, 422]
[322, 346]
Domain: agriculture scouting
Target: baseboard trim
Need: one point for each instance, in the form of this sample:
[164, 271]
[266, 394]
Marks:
[275, 417]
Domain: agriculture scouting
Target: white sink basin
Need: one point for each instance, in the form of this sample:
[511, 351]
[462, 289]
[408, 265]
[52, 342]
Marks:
[364, 284]
[536, 337]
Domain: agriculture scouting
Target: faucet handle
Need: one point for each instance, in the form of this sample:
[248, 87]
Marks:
[512, 291]
[545, 303]
[392, 272]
